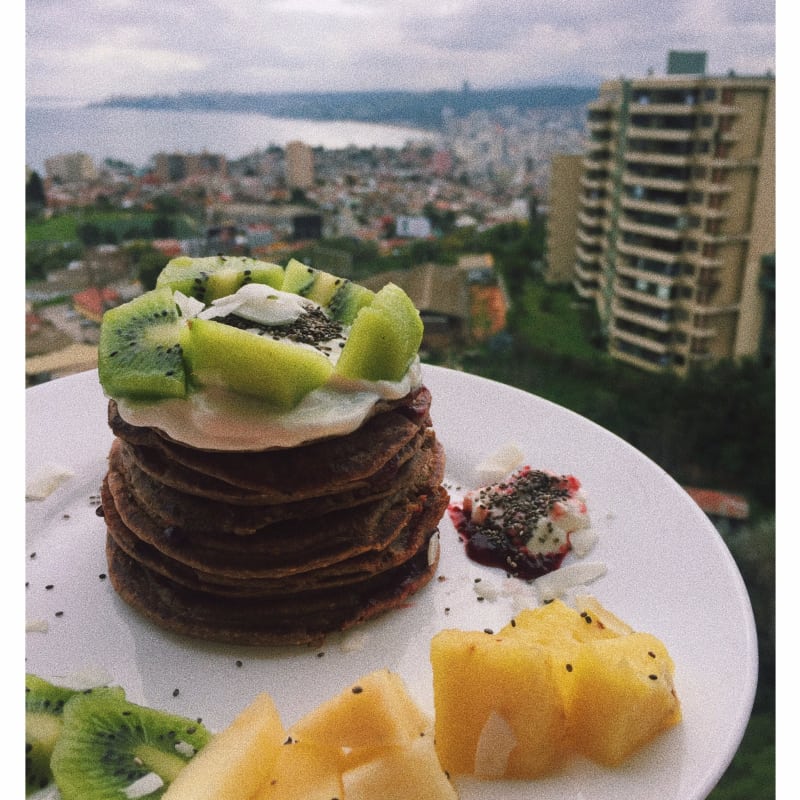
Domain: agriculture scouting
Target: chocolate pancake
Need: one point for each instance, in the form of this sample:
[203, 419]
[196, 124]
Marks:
[279, 546]
[323, 467]
[304, 618]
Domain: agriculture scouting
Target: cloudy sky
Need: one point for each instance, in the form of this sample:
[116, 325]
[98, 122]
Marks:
[92, 49]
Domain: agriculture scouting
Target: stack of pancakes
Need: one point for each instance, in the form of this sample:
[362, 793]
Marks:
[280, 546]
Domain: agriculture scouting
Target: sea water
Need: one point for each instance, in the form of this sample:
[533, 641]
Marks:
[136, 135]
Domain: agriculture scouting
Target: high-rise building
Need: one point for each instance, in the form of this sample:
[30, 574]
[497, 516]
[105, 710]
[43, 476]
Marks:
[71, 168]
[299, 165]
[676, 215]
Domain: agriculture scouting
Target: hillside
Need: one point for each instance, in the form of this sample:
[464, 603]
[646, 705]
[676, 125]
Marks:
[416, 109]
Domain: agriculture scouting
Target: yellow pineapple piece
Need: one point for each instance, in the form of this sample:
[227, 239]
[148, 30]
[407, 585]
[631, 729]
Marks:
[622, 696]
[303, 771]
[374, 713]
[400, 773]
[599, 688]
[496, 694]
[237, 760]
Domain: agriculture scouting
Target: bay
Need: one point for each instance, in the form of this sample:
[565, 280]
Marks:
[136, 135]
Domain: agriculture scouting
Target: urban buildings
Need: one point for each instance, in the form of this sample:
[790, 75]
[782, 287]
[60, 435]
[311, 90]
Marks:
[299, 165]
[673, 215]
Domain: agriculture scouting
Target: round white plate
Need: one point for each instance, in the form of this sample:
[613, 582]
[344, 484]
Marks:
[668, 573]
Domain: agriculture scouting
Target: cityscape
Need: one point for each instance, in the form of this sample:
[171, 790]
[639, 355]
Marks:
[649, 211]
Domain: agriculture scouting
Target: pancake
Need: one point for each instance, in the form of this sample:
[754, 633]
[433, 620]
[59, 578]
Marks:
[280, 546]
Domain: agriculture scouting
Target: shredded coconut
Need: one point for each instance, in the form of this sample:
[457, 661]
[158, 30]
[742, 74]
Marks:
[45, 481]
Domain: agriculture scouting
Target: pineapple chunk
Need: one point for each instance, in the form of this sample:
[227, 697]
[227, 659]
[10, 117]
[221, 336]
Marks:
[303, 770]
[237, 760]
[622, 696]
[484, 683]
[374, 713]
[553, 681]
[400, 773]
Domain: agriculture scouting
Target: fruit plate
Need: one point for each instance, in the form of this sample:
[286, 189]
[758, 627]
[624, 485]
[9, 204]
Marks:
[667, 572]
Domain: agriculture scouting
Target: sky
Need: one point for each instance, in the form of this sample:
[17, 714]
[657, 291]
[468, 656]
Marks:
[85, 50]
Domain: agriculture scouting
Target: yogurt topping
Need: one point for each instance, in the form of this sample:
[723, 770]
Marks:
[216, 419]
[522, 524]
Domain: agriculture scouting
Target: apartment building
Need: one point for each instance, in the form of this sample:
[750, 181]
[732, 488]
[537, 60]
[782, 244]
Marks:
[299, 165]
[70, 168]
[676, 215]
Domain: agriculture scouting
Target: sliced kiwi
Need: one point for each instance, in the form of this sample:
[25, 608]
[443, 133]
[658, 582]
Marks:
[315, 284]
[212, 277]
[140, 351]
[278, 371]
[348, 300]
[384, 338]
[107, 744]
[44, 706]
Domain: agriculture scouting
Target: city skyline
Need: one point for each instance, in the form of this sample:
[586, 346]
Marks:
[92, 50]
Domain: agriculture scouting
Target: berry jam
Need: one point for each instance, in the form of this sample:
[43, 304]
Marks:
[521, 525]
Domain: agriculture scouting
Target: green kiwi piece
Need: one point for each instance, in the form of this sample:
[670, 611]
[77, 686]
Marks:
[348, 299]
[280, 372]
[212, 277]
[384, 338]
[108, 743]
[139, 354]
[44, 706]
[315, 284]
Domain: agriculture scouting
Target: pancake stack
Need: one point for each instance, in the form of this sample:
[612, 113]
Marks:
[282, 546]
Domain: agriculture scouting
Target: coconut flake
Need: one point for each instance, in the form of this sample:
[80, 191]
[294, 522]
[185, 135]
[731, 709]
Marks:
[500, 463]
[45, 481]
[88, 678]
[185, 749]
[260, 303]
[562, 580]
[190, 306]
[494, 747]
[582, 541]
[37, 626]
[433, 549]
[146, 785]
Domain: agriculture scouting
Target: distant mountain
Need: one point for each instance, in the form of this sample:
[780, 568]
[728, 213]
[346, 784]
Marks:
[415, 109]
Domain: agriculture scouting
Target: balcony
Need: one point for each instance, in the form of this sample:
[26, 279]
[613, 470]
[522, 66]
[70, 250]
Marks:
[662, 183]
[653, 206]
[657, 320]
[653, 231]
[639, 339]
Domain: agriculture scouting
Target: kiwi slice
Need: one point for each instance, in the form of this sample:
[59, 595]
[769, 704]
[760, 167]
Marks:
[315, 284]
[44, 706]
[212, 277]
[348, 300]
[107, 744]
[384, 338]
[276, 370]
[140, 352]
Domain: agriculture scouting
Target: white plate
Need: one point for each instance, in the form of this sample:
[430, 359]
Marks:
[669, 573]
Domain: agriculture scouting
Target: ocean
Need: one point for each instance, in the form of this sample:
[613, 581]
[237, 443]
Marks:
[134, 135]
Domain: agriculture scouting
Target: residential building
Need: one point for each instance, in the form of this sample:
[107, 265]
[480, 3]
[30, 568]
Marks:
[561, 240]
[70, 168]
[676, 215]
[299, 165]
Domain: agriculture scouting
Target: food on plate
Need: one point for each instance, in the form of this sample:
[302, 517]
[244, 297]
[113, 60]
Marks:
[237, 760]
[523, 523]
[372, 740]
[274, 474]
[107, 747]
[44, 709]
[553, 682]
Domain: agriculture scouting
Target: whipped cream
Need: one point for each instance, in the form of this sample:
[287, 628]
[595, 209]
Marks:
[215, 419]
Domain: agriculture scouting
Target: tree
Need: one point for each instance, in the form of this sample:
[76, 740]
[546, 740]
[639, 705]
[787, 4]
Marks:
[35, 198]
